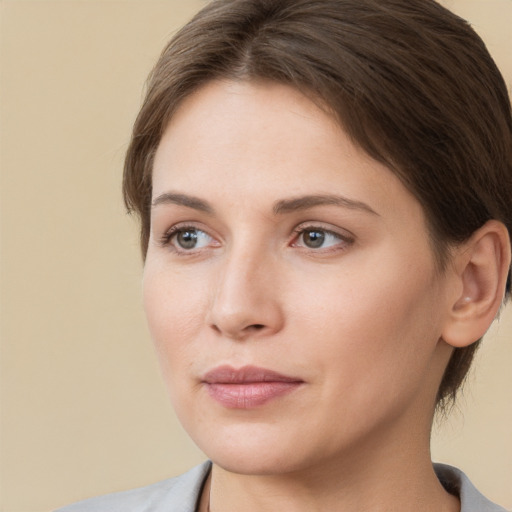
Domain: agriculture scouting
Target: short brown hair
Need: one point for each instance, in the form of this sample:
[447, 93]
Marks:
[411, 83]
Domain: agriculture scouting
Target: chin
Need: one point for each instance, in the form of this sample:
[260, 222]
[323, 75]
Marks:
[254, 450]
[261, 463]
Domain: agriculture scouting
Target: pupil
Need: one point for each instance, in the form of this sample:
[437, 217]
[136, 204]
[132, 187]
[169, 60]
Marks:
[187, 239]
[314, 239]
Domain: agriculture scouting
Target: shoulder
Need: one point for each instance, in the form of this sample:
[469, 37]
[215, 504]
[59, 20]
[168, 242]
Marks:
[456, 482]
[182, 491]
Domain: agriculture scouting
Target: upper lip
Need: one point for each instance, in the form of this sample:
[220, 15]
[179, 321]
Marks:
[246, 374]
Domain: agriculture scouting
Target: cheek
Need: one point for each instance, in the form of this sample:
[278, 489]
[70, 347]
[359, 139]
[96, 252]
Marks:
[373, 333]
[175, 312]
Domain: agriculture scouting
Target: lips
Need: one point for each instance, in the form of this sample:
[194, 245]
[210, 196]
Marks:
[247, 387]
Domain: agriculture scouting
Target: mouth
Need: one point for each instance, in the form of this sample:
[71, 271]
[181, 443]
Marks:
[247, 387]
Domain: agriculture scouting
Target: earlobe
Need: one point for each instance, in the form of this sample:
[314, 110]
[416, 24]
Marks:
[482, 265]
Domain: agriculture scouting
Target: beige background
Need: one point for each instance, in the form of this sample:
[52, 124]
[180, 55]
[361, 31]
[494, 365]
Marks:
[84, 411]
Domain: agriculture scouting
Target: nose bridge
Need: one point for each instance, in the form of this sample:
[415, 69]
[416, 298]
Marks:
[245, 300]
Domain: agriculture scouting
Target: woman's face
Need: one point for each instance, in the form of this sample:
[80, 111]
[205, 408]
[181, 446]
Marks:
[290, 286]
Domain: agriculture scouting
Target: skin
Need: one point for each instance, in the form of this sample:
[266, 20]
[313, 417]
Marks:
[359, 319]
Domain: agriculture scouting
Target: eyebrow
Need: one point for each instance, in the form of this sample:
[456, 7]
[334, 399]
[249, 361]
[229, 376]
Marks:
[310, 201]
[280, 207]
[183, 200]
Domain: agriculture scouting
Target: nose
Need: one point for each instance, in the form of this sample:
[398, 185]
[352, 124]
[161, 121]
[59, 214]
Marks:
[245, 300]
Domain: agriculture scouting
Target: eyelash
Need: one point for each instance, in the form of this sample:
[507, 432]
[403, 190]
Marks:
[167, 238]
[344, 240]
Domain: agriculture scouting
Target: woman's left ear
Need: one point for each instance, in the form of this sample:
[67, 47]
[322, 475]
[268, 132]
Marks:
[481, 265]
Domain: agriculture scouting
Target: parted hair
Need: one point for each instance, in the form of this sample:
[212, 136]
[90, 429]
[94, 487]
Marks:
[410, 82]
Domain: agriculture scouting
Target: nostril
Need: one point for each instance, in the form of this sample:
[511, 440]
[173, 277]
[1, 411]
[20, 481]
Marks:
[249, 328]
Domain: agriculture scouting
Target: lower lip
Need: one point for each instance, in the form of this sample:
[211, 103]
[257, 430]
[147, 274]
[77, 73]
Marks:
[250, 394]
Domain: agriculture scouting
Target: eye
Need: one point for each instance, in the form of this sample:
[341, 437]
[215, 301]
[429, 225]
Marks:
[319, 238]
[187, 239]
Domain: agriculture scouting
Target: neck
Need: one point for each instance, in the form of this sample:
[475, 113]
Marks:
[412, 488]
[386, 475]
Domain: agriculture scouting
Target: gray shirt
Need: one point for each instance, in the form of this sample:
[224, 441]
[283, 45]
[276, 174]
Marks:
[181, 494]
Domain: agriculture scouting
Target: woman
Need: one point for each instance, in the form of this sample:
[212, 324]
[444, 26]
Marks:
[324, 193]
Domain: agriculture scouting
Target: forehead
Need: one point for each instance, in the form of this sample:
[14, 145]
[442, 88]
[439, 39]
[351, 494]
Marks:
[237, 119]
[245, 142]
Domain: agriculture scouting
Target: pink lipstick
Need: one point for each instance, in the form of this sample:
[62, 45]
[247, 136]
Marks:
[247, 387]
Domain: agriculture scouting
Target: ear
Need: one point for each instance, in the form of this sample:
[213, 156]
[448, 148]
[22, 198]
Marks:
[481, 266]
